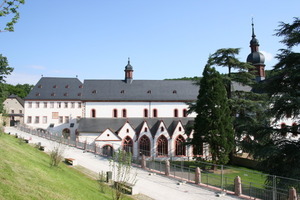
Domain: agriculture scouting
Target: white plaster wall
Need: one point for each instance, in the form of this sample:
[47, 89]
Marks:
[72, 113]
[135, 109]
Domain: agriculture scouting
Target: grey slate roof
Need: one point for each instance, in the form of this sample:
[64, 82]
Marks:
[52, 88]
[99, 125]
[139, 90]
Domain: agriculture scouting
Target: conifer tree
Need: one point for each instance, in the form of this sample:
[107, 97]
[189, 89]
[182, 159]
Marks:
[213, 124]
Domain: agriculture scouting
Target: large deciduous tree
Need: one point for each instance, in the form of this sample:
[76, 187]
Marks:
[213, 124]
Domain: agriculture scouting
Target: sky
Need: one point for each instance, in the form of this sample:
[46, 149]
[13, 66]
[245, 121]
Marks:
[93, 39]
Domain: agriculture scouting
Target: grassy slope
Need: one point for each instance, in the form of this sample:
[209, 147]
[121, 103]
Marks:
[25, 173]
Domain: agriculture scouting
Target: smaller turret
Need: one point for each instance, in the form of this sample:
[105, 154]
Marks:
[128, 72]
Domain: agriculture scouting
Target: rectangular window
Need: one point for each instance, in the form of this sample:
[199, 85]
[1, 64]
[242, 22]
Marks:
[12, 111]
[45, 104]
[37, 120]
[66, 119]
[79, 104]
[51, 104]
[29, 104]
[60, 119]
[58, 104]
[66, 104]
[54, 115]
[21, 111]
[44, 119]
[37, 104]
[72, 104]
[29, 119]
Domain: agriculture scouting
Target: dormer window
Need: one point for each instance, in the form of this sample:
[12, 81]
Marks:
[149, 91]
[53, 94]
[79, 94]
[65, 94]
[54, 86]
[37, 94]
[122, 91]
[40, 86]
[67, 86]
[94, 91]
[80, 86]
[174, 92]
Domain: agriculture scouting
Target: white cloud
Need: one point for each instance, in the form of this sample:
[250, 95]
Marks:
[268, 56]
[37, 67]
[22, 78]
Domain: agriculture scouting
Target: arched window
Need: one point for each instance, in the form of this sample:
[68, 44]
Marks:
[128, 144]
[66, 133]
[144, 146]
[162, 146]
[93, 113]
[124, 113]
[115, 113]
[175, 113]
[155, 113]
[145, 112]
[162, 129]
[107, 150]
[179, 146]
[184, 113]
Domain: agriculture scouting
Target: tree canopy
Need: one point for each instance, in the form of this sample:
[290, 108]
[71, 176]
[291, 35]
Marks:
[9, 9]
[213, 123]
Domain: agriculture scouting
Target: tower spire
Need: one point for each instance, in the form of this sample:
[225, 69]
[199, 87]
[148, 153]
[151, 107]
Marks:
[256, 58]
[253, 34]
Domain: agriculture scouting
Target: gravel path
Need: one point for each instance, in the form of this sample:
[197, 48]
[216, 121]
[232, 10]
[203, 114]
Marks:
[157, 187]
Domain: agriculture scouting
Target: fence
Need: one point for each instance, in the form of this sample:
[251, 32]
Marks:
[254, 184]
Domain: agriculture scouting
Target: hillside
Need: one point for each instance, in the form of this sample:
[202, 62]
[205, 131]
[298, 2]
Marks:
[25, 173]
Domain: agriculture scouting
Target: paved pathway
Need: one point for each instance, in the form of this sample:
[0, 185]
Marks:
[157, 187]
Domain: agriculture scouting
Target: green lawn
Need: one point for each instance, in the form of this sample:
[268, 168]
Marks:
[25, 173]
[211, 177]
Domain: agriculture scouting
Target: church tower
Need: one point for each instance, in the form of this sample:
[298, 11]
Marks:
[128, 72]
[256, 58]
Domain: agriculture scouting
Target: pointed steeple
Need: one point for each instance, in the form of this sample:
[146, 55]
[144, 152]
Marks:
[256, 58]
[254, 42]
[128, 72]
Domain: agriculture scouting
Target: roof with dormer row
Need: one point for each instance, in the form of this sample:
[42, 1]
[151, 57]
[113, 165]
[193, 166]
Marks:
[99, 125]
[54, 88]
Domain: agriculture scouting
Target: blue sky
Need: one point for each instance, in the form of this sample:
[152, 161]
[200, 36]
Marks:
[163, 38]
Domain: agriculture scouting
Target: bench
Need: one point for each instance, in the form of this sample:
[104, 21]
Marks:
[125, 188]
[42, 148]
[71, 161]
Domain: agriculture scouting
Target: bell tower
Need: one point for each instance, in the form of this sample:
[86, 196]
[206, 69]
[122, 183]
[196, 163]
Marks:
[256, 58]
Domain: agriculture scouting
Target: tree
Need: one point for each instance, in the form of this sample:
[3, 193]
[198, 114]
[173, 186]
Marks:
[9, 8]
[281, 154]
[247, 106]
[4, 68]
[213, 124]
